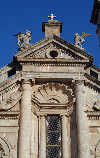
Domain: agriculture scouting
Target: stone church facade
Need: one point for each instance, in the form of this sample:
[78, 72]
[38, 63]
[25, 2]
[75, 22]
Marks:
[50, 100]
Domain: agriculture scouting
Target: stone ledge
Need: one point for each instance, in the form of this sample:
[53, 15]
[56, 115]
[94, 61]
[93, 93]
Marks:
[9, 129]
[93, 113]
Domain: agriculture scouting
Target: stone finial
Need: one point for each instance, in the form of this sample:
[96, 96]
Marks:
[24, 38]
[79, 39]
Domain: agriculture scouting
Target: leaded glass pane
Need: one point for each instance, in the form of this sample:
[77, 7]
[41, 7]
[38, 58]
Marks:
[53, 151]
[53, 123]
[53, 136]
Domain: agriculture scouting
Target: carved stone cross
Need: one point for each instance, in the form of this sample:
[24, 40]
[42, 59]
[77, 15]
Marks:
[51, 16]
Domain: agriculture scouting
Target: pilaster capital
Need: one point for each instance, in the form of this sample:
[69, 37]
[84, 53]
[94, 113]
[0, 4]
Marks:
[42, 116]
[67, 117]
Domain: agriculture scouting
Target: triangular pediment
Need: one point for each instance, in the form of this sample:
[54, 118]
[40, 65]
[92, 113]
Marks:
[53, 47]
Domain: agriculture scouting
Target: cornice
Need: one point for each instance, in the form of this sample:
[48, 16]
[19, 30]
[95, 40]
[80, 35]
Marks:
[33, 47]
[93, 115]
[7, 67]
[92, 82]
[52, 62]
[69, 45]
[95, 67]
[10, 82]
[9, 115]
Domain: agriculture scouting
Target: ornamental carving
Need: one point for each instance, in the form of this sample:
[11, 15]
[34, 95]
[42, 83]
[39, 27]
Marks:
[79, 82]
[53, 93]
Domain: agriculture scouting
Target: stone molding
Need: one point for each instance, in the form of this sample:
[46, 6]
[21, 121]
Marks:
[10, 83]
[95, 67]
[88, 80]
[93, 80]
[56, 39]
[52, 90]
[9, 114]
[6, 68]
[93, 115]
[54, 62]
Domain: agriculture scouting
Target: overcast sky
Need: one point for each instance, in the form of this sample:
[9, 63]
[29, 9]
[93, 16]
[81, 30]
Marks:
[22, 15]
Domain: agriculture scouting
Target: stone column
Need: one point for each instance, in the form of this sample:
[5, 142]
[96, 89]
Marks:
[65, 143]
[82, 122]
[42, 137]
[25, 122]
[32, 133]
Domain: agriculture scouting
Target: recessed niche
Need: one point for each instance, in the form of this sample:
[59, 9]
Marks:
[53, 54]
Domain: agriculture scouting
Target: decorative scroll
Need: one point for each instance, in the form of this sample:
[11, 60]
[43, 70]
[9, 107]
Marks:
[53, 136]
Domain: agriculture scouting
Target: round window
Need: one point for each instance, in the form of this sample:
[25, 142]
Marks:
[53, 54]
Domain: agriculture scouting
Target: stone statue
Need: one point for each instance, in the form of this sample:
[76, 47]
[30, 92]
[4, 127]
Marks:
[25, 38]
[78, 40]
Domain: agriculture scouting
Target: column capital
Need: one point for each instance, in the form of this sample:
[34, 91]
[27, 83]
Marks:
[26, 81]
[78, 81]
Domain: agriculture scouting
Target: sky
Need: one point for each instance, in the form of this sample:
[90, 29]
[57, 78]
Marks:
[22, 15]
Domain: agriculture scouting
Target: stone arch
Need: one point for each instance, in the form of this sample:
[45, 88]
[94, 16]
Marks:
[97, 150]
[6, 147]
[53, 93]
